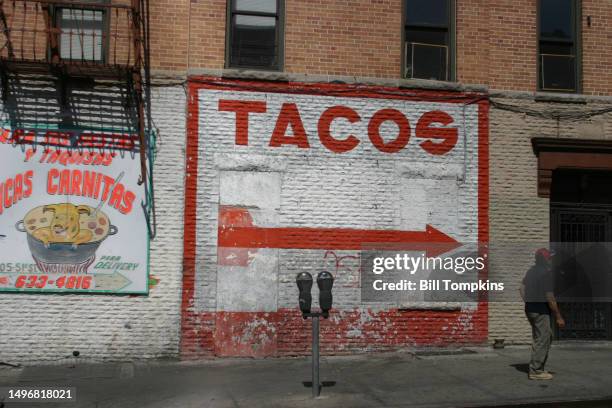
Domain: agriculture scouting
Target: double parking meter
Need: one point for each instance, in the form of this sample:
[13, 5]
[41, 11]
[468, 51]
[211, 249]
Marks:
[325, 282]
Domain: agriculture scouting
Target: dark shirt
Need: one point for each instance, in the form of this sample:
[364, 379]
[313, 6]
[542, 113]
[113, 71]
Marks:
[538, 281]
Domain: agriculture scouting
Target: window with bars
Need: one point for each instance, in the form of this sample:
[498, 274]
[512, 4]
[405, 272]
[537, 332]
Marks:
[428, 39]
[255, 35]
[83, 31]
[81, 35]
[558, 45]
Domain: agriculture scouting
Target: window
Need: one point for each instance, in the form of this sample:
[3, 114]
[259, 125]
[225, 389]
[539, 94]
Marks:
[83, 33]
[558, 45]
[428, 39]
[254, 35]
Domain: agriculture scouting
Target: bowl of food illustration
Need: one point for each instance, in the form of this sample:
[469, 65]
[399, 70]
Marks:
[63, 238]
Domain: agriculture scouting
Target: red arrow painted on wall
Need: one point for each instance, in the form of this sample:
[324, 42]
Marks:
[431, 240]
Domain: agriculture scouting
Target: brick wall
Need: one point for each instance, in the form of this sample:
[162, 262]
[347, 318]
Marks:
[496, 40]
[207, 34]
[47, 328]
[473, 36]
[517, 214]
[512, 45]
[596, 47]
[496, 46]
[169, 27]
[243, 300]
[497, 43]
[347, 37]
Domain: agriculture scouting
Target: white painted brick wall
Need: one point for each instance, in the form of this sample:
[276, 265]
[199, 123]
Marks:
[363, 188]
[39, 328]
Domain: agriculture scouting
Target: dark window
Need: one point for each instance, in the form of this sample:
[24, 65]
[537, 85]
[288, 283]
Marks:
[428, 39]
[254, 34]
[558, 54]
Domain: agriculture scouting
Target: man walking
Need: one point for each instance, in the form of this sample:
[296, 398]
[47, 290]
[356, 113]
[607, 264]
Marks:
[537, 293]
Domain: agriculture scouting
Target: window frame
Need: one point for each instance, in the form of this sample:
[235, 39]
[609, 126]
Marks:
[452, 39]
[56, 17]
[280, 35]
[576, 13]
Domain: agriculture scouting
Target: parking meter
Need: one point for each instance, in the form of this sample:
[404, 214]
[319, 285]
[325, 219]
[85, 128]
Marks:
[304, 284]
[325, 281]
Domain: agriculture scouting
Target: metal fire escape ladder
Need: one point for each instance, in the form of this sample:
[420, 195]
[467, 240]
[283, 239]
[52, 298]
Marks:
[137, 29]
[9, 47]
[149, 205]
[35, 47]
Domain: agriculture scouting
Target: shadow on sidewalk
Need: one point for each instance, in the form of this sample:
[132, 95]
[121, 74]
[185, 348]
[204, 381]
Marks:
[522, 367]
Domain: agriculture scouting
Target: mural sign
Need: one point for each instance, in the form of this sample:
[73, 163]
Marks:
[70, 219]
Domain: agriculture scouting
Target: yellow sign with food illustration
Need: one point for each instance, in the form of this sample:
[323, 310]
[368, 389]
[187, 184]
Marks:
[70, 221]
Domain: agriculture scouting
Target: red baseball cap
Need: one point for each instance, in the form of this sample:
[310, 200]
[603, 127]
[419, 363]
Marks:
[544, 253]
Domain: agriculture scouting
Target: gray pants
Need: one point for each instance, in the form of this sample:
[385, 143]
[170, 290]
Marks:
[542, 338]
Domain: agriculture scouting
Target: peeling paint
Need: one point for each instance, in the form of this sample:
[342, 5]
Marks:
[243, 303]
[231, 216]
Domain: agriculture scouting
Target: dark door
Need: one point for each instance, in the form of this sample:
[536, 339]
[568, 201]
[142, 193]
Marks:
[580, 216]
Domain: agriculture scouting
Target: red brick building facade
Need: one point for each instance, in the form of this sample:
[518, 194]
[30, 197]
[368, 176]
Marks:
[496, 42]
[499, 73]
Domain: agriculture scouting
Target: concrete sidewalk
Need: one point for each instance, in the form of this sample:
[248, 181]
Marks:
[482, 377]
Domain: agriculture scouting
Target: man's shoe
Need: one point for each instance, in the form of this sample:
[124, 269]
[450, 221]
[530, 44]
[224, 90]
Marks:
[544, 375]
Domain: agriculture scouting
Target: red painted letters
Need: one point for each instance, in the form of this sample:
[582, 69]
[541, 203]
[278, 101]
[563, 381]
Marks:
[289, 116]
[242, 109]
[448, 136]
[333, 144]
[400, 120]
[440, 139]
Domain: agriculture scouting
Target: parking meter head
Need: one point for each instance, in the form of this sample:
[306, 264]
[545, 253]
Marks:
[325, 282]
[304, 284]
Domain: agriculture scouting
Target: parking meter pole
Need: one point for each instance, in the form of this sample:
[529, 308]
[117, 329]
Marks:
[316, 385]
[325, 282]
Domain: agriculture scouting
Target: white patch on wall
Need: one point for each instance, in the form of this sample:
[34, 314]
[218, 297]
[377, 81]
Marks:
[250, 284]
[445, 193]
[250, 189]
[414, 211]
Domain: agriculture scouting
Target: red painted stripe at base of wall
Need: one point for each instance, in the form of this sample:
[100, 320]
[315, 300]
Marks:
[286, 333]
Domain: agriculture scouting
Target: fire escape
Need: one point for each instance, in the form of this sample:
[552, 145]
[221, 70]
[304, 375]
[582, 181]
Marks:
[69, 65]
